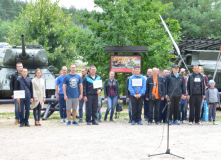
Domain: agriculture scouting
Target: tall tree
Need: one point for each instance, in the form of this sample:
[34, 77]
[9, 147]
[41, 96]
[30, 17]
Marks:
[197, 18]
[127, 23]
[43, 22]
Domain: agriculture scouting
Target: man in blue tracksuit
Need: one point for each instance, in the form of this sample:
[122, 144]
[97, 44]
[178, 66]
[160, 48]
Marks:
[24, 83]
[136, 94]
[91, 95]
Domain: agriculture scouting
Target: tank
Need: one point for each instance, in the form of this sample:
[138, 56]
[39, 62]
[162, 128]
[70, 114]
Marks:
[32, 57]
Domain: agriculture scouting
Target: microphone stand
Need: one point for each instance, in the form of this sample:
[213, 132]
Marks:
[168, 110]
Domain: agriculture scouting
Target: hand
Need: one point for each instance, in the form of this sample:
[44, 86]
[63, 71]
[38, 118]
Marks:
[31, 100]
[80, 97]
[135, 96]
[65, 98]
[57, 96]
[166, 96]
[105, 99]
[208, 105]
[118, 99]
[128, 99]
[204, 96]
[12, 96]
[188, 97]
[147, 99]
[139, 95]
[18, 100]
[44, 99]
[34, 99]
[85, 98]
[98, 91]
[217, 104]
[162, 98]
[182, 97]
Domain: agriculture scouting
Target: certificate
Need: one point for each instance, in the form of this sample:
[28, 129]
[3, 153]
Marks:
[136, 82]
[97, 84]
[19, 94]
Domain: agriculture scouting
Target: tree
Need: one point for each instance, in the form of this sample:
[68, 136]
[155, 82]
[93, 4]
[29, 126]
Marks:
[197, 18]
[4, 27]
[44, 22]
[127, 23]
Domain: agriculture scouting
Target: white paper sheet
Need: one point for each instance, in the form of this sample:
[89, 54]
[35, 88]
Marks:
[136, 82]
[19, 94]
[97, 84]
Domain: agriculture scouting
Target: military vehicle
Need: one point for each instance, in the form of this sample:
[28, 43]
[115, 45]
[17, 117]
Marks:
[32, 57]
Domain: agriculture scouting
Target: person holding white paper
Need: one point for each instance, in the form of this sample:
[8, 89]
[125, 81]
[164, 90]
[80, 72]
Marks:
[24, 83]
[91, 95]
[111, 93]
[38, 86]
[137, 89]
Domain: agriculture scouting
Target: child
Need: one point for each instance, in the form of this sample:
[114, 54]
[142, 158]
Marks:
[213, 100]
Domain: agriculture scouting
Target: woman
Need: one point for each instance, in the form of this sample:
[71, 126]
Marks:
[111, 93]
[38, 95]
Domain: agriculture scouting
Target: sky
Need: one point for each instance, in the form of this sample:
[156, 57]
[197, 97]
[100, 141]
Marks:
[79, 4]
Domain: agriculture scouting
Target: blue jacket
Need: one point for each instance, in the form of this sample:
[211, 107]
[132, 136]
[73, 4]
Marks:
[20, 85]
[133, 89]
[207, 96]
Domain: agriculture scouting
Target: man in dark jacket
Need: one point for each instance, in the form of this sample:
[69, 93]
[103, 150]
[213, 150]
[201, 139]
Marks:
[128, 98]
[195, 91]
[13, 81]
[91, 95]
[24, 83]
[171, 80]
[154, 93]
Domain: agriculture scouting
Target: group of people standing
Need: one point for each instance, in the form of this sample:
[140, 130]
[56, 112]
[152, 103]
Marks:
[153, 90]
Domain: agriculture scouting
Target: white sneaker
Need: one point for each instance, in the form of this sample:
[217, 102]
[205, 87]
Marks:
[65, 120]
[190, 123]
[199, 123]
[62, 120]
[184, 122]
[179, 121]
[153, 121]
[215, 123]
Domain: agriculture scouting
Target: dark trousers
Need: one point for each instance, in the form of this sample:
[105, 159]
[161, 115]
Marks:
[80, 109]
[163, 115]
[195, 104]
[91, 104]
[62, 107]
[174, 107]
[37, 112]
[136, 108]
[153, 103]
[146, 108]
[25, 104]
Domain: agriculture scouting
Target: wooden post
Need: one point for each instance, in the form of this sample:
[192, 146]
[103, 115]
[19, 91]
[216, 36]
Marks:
[19, 106]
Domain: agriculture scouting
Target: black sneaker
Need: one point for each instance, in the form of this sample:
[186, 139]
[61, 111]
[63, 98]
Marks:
[158, 123]
[130, 121]
[21, 125]
[27, 125]
[111, 120]
[95, 123]
[105, 119]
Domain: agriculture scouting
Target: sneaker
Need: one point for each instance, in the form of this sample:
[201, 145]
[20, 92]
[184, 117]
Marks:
[111, 120]
[21, 125]
[75, 123]
[65, 120]
[184, 122]
[140, 123]
[190, 123]
[27, 125]
[158, 123]
[149, 123]
[146, 119]
[80, 120]
[129, 121]
[199, 123]
[210, 122]
[16, 121]
[95, 123]
[99, 120]
[69, 123]
[176, 122]
[62, 120]
[153, 121]
[170, 122]
[133, 122]
[88, 123]
[215, 123]
[105, 119]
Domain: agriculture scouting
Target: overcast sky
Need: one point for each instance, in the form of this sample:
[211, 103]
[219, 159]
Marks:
[79, 4]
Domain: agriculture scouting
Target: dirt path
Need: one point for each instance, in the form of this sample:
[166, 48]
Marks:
[109, 141]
